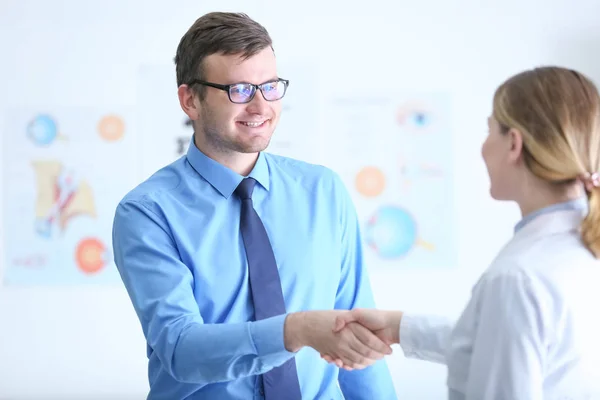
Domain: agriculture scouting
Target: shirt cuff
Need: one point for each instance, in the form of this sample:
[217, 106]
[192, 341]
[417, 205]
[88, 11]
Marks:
[406, 335]
[268, 336]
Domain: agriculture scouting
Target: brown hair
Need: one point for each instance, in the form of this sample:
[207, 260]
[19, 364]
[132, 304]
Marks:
[217, 32]
[557, 110]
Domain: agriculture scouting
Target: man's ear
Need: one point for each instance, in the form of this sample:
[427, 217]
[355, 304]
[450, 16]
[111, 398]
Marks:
[515, 141]
[188, 102]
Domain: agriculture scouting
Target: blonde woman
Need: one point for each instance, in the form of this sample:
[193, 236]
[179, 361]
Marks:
[532, 327]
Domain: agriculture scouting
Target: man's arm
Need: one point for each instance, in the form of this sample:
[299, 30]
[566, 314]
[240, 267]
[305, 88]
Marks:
[354, 291]
[161, 289]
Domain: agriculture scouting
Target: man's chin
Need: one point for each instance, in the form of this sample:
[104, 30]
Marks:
[254, 146]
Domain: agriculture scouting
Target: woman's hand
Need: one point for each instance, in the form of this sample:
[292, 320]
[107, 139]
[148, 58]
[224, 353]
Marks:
[384, 324]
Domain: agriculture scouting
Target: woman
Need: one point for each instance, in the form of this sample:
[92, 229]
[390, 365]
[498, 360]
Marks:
[532, 327]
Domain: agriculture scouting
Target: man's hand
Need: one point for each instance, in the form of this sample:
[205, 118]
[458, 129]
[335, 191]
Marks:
[355, 346]
[384, 324]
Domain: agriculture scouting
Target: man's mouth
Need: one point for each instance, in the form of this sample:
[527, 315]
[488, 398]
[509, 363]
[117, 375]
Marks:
[254, 124]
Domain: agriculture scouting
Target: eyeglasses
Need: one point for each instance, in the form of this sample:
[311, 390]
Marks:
[240, 93]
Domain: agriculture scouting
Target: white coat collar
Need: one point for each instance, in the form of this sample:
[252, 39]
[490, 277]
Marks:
[552, 223]
[543, 225]
[558, 218]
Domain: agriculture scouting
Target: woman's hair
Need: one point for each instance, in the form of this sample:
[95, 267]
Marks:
[557, 110]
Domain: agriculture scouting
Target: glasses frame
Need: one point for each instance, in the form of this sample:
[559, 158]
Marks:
[227, 88]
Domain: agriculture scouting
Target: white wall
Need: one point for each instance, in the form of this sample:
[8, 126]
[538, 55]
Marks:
[84, 342]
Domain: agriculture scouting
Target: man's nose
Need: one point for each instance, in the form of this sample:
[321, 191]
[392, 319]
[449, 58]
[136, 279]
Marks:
[258, 105]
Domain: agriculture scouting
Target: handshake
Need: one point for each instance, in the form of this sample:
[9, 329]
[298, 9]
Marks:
[353, 339]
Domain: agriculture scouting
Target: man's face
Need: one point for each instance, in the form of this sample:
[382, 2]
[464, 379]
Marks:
[228, 128]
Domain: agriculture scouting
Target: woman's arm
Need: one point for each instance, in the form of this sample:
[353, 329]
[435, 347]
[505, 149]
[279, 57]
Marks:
[425, 337]
[510, 340]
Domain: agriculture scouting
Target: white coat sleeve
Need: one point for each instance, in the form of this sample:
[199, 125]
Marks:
[510, 339]
[425, 337]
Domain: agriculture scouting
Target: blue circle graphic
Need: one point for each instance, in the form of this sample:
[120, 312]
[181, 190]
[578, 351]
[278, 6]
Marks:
[391, 232]
[419, 118]
[42, 130]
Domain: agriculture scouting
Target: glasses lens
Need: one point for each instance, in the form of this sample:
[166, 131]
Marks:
[273, 90]
[241, 93]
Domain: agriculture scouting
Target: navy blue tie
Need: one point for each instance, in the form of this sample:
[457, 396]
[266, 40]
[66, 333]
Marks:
[280, 382]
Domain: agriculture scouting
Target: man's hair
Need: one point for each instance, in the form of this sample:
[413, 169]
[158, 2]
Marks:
[217, 33]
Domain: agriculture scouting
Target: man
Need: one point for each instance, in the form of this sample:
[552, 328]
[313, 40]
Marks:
[236, 261]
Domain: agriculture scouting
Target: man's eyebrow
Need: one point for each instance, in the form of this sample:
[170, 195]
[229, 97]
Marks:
[271, 79]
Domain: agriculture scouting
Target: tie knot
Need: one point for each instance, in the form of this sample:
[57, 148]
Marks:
[245, 188]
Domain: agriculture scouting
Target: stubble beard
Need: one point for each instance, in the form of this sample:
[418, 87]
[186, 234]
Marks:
[222, 145]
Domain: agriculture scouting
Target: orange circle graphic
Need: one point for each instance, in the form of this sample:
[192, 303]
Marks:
[90, 255]
[370, 181]
[111, 128]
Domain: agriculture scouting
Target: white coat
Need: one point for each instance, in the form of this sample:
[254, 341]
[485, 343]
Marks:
[531, 329]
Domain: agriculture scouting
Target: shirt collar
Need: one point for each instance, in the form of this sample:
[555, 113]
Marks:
[223, 179]
[580, 204]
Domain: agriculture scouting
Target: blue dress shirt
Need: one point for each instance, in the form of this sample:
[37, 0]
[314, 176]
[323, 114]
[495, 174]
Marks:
[179, 251]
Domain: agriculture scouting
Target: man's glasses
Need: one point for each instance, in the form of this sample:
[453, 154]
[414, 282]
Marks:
[240, 93]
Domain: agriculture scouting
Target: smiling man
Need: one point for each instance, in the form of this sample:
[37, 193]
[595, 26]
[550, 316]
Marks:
[237, 261]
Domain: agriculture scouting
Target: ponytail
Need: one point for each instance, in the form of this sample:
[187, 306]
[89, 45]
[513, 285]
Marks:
[590, 227]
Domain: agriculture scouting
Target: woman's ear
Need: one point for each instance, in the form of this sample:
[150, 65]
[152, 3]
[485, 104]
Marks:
[515, 143]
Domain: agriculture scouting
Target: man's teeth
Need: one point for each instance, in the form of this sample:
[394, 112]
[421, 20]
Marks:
[253, 124]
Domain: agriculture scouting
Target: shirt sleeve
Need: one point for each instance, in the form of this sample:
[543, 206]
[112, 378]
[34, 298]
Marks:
[354, 291]
[425, 337]
[161, 289]
[510, 339]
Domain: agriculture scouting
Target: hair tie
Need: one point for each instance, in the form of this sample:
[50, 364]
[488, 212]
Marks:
[590, 181]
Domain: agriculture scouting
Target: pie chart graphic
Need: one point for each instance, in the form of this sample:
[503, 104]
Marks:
[91, 255]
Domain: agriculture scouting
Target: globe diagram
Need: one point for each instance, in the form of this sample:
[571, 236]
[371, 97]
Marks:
[391, 232]
[42, 130]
